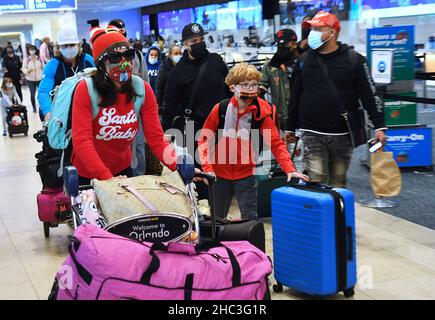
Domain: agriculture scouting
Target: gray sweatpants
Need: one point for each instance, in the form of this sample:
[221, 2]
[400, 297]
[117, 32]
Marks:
[246, 194]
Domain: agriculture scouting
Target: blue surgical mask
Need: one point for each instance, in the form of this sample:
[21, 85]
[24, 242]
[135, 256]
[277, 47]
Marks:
[315, 39]
[70, 52]
[153, 60]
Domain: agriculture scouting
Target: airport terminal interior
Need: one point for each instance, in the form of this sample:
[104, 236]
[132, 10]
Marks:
[394, 229]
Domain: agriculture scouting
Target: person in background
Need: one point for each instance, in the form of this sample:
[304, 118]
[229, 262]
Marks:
[68, 63]
[229, 154]
[140, 69]
[182, 81]
[5, 49]
[305, 31]
[11, 66]
[44, 50]
[86, 47]
[33, 67]
[313, 109]
[153, 60]
[276, 73]
[173, 58]
[8, 98]
[139, 65]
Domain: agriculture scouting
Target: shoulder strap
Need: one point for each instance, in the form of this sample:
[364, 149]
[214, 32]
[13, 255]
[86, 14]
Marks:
[139, 56]
[94, 97]
[332, 87]
[353, 57]
[190, 109]
[223, 107]
[138, 87]
[302, 59]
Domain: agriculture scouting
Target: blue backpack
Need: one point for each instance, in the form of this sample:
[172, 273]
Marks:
[59, 130]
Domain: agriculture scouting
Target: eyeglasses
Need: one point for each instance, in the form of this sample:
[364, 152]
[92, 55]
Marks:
[116, 57]
[248, 86]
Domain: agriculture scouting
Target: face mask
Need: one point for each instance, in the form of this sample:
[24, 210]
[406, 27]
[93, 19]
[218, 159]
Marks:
[176, 59]
[70, 53]
[10, 54]
[32, 52]
[245, 95]
[120, 72]
[153, 60]
[9, 85]
[284, 54]
[315, 39]
[198, 50]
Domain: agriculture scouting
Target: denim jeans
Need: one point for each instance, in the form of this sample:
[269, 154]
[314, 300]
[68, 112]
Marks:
[327, 158]
[33, 86]
[246, 194]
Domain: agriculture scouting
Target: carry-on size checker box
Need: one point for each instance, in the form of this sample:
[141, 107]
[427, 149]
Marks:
[314, 239]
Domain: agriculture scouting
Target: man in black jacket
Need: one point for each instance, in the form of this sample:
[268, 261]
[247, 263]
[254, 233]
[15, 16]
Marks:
[181, 81]
[315, 109]
[12, 69]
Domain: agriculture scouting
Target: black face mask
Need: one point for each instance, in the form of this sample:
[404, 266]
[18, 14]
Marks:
[285, 54]
[198, 50]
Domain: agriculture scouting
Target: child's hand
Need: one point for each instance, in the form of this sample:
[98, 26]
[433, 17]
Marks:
[297, 175]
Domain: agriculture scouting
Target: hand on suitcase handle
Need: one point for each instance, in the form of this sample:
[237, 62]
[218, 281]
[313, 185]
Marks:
[209, 177]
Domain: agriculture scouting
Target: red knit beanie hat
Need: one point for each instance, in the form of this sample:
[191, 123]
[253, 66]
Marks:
[105, 40]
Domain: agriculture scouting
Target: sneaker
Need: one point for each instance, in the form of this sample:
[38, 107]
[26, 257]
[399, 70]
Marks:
[4, 134]
[34, 110]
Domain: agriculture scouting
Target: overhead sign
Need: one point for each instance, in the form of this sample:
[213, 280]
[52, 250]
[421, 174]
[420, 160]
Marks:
[37, 5]
[382, 66]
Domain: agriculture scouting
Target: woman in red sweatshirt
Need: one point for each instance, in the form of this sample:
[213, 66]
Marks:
[226, 143]
[101, 145]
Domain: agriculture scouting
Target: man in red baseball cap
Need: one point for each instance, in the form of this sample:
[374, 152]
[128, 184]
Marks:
[329, 83]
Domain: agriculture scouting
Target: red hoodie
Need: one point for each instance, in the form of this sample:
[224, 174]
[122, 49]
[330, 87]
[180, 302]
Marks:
[233, 159]
[101, 147]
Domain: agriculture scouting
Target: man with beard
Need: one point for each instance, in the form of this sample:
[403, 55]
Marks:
[277, 71]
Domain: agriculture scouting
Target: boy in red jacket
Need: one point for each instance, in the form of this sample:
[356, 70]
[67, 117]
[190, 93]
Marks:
[226, 143]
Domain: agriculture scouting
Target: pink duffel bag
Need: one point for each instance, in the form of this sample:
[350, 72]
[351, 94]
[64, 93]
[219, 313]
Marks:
[103, 266]
[51, 203]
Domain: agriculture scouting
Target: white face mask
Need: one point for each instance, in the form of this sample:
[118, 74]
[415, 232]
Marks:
[9, 85]
[176, 59]
[32, 52]
[153, 60]
[70, 53]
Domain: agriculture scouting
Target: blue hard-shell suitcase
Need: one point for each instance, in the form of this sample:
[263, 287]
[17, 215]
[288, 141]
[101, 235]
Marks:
[314, 243]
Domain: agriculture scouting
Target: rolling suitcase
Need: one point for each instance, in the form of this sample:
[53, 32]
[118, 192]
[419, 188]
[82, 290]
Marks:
[212, 229]
[314, 239]
[17, 121]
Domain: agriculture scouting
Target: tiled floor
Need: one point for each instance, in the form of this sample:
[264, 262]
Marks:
[396, 258]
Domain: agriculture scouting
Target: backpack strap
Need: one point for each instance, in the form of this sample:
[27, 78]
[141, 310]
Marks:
[223, 107]
[138, 86]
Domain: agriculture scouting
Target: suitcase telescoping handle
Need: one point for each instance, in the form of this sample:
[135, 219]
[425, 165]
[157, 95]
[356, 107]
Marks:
[296, 182]
[211, 180]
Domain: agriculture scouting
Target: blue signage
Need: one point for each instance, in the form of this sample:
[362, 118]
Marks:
[411, 147]
[399, 39]
[37, 5]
